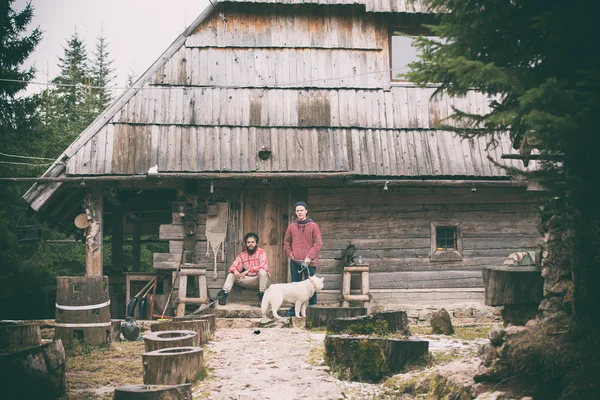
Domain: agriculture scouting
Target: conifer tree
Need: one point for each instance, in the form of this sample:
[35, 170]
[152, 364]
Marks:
[14, 50]
[538, 62]
[102, 74]
[73, 100]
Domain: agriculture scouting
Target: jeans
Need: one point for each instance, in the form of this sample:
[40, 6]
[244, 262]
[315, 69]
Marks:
[298, 276]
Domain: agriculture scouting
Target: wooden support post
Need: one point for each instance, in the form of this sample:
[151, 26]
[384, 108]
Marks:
[117, 242]
[182, 295]
[136, 247]
[364, 289]
[94, 233]
[347, 278]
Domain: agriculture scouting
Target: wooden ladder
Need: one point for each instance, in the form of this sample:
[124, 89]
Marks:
[200, 274]
[364, 295]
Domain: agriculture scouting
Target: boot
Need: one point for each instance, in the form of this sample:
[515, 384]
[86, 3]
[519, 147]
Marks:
[260, 298]
[222, 297]
[291, 312]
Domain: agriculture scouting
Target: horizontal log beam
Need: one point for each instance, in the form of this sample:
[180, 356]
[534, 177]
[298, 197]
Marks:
[436, 182]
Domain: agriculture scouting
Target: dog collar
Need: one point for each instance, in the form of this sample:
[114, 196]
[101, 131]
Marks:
[311, 281]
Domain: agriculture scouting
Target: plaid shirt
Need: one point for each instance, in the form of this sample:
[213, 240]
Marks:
[303, 240]
[253, 263]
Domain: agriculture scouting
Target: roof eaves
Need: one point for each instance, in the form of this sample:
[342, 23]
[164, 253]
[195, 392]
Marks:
[57, 169]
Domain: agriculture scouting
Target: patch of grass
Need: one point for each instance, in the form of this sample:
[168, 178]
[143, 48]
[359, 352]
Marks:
[91, 367]
[316, 354]
[471, 332]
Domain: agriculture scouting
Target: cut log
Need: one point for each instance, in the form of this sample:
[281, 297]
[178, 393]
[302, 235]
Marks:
[173, 366]
[368, 359]
[380, 323]
[317, 316]
[19, 333]
[34, 373]
[167, 339]
[154, 392]
[512, 285]
[211, 318]
[200, 326]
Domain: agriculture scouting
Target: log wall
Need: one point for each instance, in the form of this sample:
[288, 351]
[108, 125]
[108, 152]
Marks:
[391, 230]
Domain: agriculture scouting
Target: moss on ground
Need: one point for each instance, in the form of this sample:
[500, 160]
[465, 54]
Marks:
[471, 332]
[431, 386]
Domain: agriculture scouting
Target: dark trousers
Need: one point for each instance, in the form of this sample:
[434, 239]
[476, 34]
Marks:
[298, 274]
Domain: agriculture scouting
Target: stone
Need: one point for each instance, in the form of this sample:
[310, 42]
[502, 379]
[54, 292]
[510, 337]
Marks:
[496, 336]
[519, 314]
[497, 395]
[484, 315]
[425, 314]
[441, 323]
[465, 312]
[487, 353]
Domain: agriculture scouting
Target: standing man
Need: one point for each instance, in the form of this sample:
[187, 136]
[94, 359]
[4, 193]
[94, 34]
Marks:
[250, 270]
[302, 244]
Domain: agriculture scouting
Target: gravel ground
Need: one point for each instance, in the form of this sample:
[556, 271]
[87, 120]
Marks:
[286, 363]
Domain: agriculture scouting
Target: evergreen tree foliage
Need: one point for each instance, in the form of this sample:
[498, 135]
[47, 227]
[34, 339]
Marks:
[27, 270]
[538, 62]
[15, 47]
[102, 74]
[72, 99]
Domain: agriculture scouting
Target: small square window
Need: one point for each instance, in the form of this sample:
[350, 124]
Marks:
[402, 51]
[446, 241]
[445, 238]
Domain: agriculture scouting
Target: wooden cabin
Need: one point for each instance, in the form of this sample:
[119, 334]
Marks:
[262, 103]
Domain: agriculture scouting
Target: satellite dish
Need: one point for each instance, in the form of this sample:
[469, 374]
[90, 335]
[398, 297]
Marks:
[81, 221]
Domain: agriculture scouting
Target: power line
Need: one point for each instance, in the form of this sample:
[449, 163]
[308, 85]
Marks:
[27, 157]
[31, 164]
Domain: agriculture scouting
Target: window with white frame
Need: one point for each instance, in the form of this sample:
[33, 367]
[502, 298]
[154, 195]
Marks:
[446, 241]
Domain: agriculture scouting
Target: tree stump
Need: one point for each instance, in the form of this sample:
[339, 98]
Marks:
[200, 326]
[19, 333]
[173, 366]
[357, 358]
[34, 373]
[402, 351]
[368, 359]
[397, 321]
[513, 285]
[211, 318]
[166, 339]
[154, 392]
[441, 323]
[317, 316]
[380, 323]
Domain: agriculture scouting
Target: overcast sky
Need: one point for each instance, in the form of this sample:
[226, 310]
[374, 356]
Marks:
[138, 31]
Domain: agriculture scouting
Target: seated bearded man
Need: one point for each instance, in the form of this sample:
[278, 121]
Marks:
[250, 270]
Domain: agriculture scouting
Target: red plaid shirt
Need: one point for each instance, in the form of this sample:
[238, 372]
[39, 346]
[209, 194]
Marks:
[253, 263]
[303, 240]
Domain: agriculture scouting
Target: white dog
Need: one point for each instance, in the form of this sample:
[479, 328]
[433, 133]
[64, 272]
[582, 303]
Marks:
[297, 293]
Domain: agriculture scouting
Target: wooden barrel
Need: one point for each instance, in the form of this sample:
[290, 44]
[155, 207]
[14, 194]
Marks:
[211, 318]
[83, 309]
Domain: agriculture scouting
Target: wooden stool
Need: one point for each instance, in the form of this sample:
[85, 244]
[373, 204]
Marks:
[200, 274]
[364, 295]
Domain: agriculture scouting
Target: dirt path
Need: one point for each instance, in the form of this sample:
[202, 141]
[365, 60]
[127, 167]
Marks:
[271, 365]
